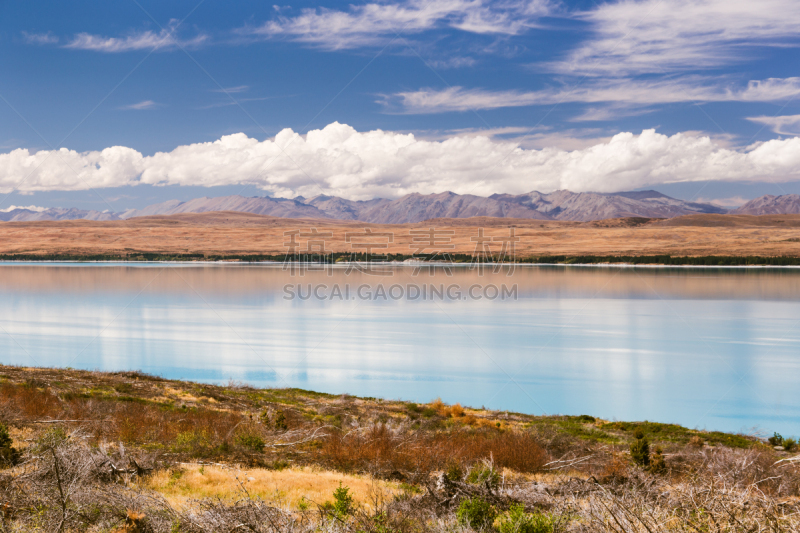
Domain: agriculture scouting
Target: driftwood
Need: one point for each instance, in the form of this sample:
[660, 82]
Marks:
[309, 438]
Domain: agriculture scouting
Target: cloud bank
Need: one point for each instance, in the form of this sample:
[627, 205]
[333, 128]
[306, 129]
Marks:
[361, 165]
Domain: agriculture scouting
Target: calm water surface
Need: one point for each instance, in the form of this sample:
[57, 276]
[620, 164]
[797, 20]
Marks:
[707, 348]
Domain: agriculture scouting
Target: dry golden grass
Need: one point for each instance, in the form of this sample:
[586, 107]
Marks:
[244, 233]
[21, 437]
[288, 487]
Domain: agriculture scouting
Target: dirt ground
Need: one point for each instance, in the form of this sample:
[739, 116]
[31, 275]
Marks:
[229, 233]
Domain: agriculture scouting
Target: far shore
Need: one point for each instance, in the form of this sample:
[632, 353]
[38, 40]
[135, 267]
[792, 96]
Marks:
[696, 240]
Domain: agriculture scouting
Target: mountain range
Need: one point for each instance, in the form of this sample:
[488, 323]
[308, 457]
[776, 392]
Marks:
[559, 205]
[785, 204]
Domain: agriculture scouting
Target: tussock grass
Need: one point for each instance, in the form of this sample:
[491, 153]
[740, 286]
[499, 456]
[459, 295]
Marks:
[288, 487]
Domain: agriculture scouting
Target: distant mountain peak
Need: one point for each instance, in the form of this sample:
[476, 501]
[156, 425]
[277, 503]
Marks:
[417, 207]
[785, 204]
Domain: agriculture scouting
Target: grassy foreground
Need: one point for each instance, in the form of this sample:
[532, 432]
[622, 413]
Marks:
[95, 451]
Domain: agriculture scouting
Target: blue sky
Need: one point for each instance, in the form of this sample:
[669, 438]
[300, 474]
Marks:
[506, 96]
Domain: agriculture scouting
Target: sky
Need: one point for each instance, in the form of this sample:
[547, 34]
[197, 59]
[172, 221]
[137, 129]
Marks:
[115, 105]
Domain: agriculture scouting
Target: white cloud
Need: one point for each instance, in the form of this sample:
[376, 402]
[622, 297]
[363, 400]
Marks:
[374, 24]
[654, 36]
[339, 160]
[141, 106]
[145, 40]
[728, 203]
[28, 207]
[39, 38]
[629, 92]
[68, 170]
[538, 138]
[782, 125]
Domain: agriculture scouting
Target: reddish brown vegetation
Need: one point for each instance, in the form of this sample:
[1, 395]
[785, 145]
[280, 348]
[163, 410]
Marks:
[205, 432]
[378, 446]
[127, 420]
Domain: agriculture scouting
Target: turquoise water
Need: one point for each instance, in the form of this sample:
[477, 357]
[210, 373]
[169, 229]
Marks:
[708, 348]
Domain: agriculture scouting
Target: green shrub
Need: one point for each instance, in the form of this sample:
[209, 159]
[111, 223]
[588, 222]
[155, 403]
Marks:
[476, 513]
[453, 472]
[342, 501]
[789, 445]
[5, 438]
[657, 463]
[483, 473]
[303, 504]
[250, 440]
[9, 456]
[775, 439]
[279, 464]
[280, 421]
[51, 439]
[640, 450]
[516, 520]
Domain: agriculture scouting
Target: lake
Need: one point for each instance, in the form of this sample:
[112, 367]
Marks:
[708, 348]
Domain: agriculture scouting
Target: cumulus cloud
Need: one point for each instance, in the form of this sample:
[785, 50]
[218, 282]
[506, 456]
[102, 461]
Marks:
[631, 93]
[782, 125]
[28, 207]
[374, 24]
[653, 36]
[361, 165]
[68, 170]
[145, 40]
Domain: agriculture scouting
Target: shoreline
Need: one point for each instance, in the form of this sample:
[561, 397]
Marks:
[14, 374]
[339, 261]
[754, 435]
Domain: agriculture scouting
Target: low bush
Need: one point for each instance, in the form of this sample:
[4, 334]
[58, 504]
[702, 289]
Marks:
[483, 473]
[9, 456]
[279, 422]
[454, 472]
[456, 411]
[640, 450]
[342, 502]
[476, 513]
[696, 442]
[251, 441]
[516, 520]
[657, 463]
